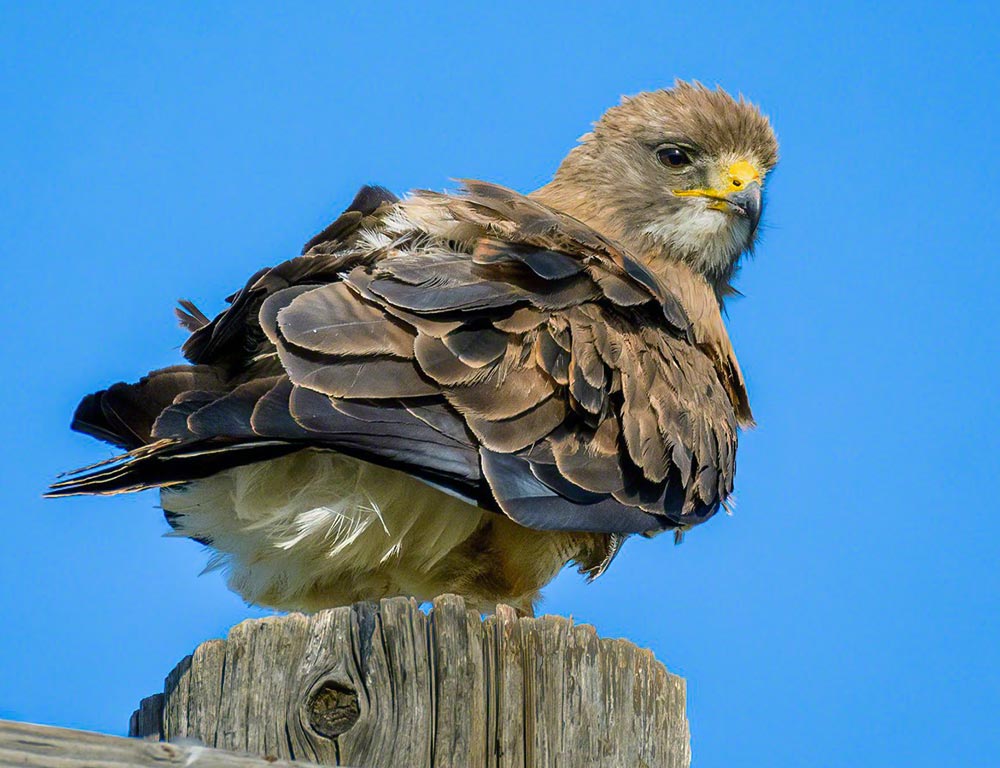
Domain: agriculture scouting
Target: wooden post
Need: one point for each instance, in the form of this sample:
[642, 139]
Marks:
[375, 686]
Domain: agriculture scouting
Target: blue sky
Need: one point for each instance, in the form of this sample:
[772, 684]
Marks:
[846, 615]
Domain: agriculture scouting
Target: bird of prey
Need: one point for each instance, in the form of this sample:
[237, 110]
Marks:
[466, 392]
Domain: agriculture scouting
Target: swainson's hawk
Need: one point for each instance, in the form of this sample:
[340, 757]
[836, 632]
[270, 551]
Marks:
[465, 392]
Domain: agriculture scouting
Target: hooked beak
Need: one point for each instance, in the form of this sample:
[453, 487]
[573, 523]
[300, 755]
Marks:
[739, 192]
[747, 203]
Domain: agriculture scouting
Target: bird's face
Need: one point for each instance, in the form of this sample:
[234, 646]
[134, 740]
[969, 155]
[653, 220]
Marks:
[679, 172]
[707, 205]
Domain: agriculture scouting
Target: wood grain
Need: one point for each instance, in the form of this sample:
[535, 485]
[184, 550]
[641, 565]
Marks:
[23, 745]
[387, 686]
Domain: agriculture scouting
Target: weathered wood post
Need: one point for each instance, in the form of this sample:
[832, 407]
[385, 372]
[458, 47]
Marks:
[373, 686]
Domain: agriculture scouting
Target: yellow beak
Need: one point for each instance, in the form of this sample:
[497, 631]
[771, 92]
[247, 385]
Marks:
[739, 191]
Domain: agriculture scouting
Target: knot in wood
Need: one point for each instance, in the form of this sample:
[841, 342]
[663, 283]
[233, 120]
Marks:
[333, 708]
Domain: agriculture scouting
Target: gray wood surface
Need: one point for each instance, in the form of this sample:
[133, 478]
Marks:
[41, 746]
[386, 685]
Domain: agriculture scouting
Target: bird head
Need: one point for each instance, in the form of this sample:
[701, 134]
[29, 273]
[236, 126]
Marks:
[676, 173]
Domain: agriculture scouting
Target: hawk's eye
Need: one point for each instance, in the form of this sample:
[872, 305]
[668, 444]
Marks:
[673, 156]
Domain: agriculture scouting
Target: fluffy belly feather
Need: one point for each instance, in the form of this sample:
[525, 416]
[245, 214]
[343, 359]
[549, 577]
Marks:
[318, 529]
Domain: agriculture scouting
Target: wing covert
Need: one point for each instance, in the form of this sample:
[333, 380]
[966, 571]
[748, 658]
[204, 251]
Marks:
[577, 384]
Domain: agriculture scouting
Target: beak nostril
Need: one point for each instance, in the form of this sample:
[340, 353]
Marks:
[737, 183]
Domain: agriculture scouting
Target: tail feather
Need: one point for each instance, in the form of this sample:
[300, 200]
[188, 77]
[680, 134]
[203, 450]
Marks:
[164, 463]
[127, 415]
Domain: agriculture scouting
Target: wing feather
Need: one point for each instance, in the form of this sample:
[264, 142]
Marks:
[482, 342]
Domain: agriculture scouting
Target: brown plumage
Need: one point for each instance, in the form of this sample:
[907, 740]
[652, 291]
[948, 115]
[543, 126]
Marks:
[537, 376]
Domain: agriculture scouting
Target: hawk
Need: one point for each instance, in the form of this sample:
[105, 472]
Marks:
[466, 392]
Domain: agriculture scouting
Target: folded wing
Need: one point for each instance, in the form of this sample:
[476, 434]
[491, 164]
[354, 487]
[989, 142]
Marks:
[481, 342]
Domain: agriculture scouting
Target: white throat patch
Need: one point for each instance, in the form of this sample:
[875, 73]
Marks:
[709, 240]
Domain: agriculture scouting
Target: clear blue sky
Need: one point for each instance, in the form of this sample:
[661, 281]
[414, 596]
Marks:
[847, 615]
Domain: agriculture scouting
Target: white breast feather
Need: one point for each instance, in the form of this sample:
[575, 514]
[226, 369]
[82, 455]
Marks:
[316, 523]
